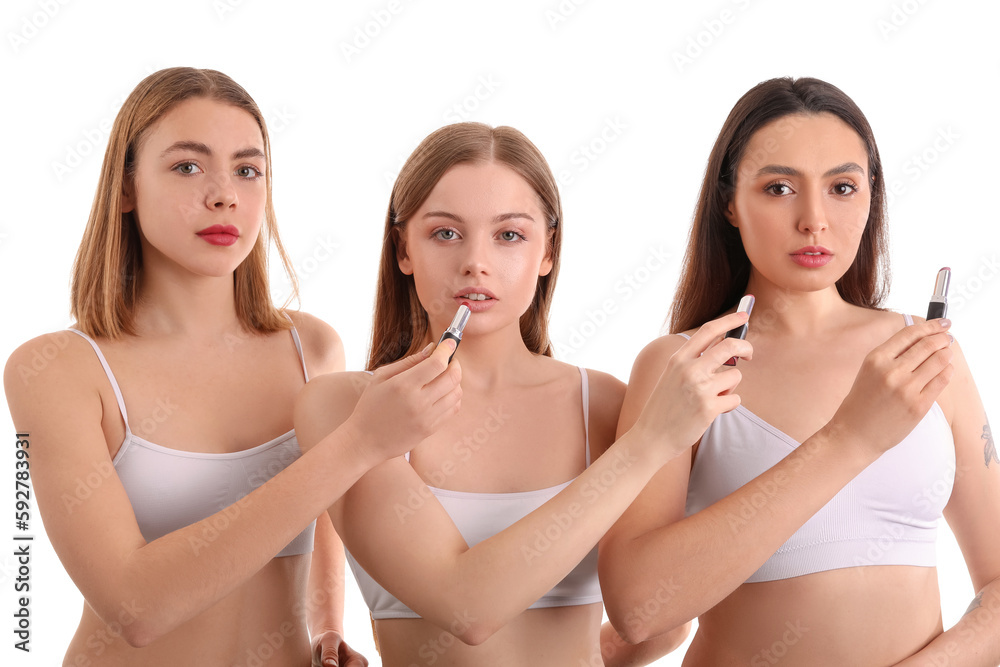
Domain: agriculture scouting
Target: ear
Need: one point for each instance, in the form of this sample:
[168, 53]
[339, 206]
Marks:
[128, 195]
[730, 214]
[546, 266]
[402, 259]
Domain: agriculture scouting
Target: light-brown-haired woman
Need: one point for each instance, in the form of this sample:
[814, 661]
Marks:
[177, 385]
[478, 548]
[800, 527]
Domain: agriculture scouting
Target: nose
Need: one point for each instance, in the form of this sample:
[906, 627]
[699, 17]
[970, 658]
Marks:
[220, 193]
[475, 259]
[812, 214]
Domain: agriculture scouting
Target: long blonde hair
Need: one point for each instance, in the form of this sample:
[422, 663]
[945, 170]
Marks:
[107, 272]
[400, 322]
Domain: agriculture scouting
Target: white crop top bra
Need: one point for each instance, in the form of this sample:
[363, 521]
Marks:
[887, 515]
[170, 488]
[479, 516]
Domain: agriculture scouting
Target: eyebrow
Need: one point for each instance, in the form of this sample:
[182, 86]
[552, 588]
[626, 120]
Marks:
[780, 170]
[198, 147]
[503, 217]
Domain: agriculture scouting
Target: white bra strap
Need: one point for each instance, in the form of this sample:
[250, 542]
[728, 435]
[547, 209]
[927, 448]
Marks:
[111, 376]
[686, 337]
[298, 348]
[585, 390]
[908, 319]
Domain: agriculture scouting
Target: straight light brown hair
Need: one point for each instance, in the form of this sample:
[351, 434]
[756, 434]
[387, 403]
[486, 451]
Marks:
[716, 268]
[400, 322]
[107, 272]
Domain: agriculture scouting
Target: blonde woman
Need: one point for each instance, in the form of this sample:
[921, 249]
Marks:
[178, 381]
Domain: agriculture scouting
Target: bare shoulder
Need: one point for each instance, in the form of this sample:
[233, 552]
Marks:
[321, 344]
[654, 357]
[55, 377]
[325, 403]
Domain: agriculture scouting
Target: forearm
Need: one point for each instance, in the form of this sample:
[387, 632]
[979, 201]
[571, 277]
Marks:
[691, 565]
[220, 553]
[972, 642]
[500, 577]
[324, 604]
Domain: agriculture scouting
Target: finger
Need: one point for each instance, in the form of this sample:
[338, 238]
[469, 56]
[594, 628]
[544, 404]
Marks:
[907, 337]
[936, 385]
[932, 366]
[404, 364]
[434, 365]
[444, 408]
[712, 331]
[725, 349]
[920, 351]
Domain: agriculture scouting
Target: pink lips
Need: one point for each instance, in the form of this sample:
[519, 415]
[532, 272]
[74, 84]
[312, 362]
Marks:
[812, 261]
[476, 306]
[224, 235]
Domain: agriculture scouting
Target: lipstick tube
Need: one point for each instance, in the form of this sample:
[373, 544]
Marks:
[938, 306]
[746, 305]
[455, 329]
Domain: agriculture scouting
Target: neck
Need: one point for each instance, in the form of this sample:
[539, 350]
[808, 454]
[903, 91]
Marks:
[174, 302]
[493, 359]
[785, 312]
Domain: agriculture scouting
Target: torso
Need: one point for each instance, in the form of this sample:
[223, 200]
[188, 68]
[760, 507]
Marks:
[869, 615]
[542, 423]
[221, 399]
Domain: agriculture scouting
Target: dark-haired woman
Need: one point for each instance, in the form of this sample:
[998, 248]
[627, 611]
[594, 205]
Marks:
[801, 525]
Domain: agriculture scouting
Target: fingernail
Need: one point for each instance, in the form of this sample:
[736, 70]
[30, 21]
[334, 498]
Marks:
[945, 322]
[427, 349]
[951, 339]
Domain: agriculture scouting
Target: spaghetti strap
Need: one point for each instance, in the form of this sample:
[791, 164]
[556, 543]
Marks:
[585, 390]
[908, 319]
[686, 337]
[298, 348]
[111, 377]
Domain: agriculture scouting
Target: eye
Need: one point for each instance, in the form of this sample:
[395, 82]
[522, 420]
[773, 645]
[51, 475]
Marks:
[445, 234]
[510, 235]
[187, 168]
[778, 189]
[845, 188]
[249, 172]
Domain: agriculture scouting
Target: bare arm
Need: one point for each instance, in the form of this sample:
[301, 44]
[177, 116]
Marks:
[500, 577]
[972, 514]
[708, 555]
[179, 575]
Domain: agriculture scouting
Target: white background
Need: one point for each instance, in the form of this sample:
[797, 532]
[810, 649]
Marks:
[341, 125]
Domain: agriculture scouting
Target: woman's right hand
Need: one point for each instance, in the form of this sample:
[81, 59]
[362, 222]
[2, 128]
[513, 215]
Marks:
[406, 401]
[898, 382]
[694, 388]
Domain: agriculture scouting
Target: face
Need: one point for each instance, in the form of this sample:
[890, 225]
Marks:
[479, 238]
[199, 190]
[803, 193]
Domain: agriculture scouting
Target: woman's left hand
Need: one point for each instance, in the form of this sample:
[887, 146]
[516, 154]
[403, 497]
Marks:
[330, 650]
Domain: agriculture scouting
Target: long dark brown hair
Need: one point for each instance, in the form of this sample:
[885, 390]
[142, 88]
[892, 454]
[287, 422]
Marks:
[716, 268]
[400, 323]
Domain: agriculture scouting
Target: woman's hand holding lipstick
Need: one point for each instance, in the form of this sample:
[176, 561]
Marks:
[406, 401]
[695, 387]
[898, 382]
